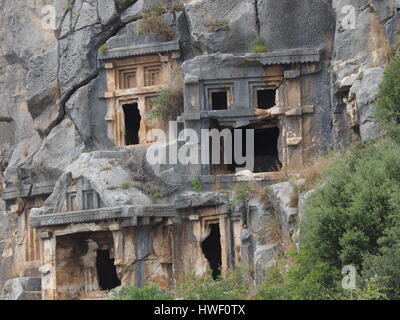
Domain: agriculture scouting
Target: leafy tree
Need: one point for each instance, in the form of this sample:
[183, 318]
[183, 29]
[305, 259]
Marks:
[353, 218]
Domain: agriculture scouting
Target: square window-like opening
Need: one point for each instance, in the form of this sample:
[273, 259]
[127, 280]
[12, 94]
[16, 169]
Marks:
[219, 100]
[266, 98]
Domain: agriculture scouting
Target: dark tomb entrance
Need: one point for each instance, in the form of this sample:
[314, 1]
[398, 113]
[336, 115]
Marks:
[266, 99]
[219, 100]
[211, 247]
[132, 123]
[266, 155]
[106, 271]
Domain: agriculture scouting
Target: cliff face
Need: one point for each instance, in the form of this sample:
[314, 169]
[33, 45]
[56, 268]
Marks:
[52, 83]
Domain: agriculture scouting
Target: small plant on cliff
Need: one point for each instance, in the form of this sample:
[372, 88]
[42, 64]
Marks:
[153, 22]
[196, 184]
[259, 45]
[215, 25]
[167, 105]
[103, 48]
[242, 192]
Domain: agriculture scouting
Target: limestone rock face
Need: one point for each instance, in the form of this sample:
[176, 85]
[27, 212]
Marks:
[222, 25]
[361, 51]
[289, 24]
[22, 289]
[280, 197]
[52, 87]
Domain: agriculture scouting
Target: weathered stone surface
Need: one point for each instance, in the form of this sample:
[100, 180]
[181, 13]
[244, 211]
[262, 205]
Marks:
[22, 289]
[280, 197]
[43, 90]
[78, 109]
[107, 11]
[6, 245]
[22, 154]
[134, 11]
[363, 50]
[265, 257]
[238, 25]
[51, 82]
[87, 14]
[59, 149]
[365, 90]
[289, 24]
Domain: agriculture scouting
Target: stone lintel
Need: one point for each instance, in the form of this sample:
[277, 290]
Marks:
[301, 55]
[144, 213]
[25, 191]
[143, 49]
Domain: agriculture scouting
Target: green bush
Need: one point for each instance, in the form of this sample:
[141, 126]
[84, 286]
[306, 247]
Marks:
[230, 286]
[388, 102]
[168, 104]
[353, 218]
[148, 292]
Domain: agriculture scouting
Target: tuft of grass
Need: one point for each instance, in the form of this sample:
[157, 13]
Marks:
[151, 191]
[259, 45]
[167, 105]
[271, 232]
[196, 184]
[215, 25]
[103, 48]
[152, 22]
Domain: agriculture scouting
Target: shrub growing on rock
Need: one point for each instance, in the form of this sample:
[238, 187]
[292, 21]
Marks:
[388, 102]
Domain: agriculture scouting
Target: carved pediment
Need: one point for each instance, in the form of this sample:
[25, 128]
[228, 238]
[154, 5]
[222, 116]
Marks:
[80, 195]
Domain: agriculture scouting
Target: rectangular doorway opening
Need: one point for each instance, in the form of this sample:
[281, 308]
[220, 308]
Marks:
[266, 154]
[211, 247]
[132, 123]
[266, 99]
[106, 271]
[219, 100]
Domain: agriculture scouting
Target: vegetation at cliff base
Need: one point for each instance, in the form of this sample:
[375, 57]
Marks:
[229, 286]
[388, 102]
[353, 218]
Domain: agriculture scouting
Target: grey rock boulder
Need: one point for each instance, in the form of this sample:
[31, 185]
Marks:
[265, 257]
[237, 21]
[43, 90]
[365, 89]
[22, 289]
[280, 197]
[59, 149]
